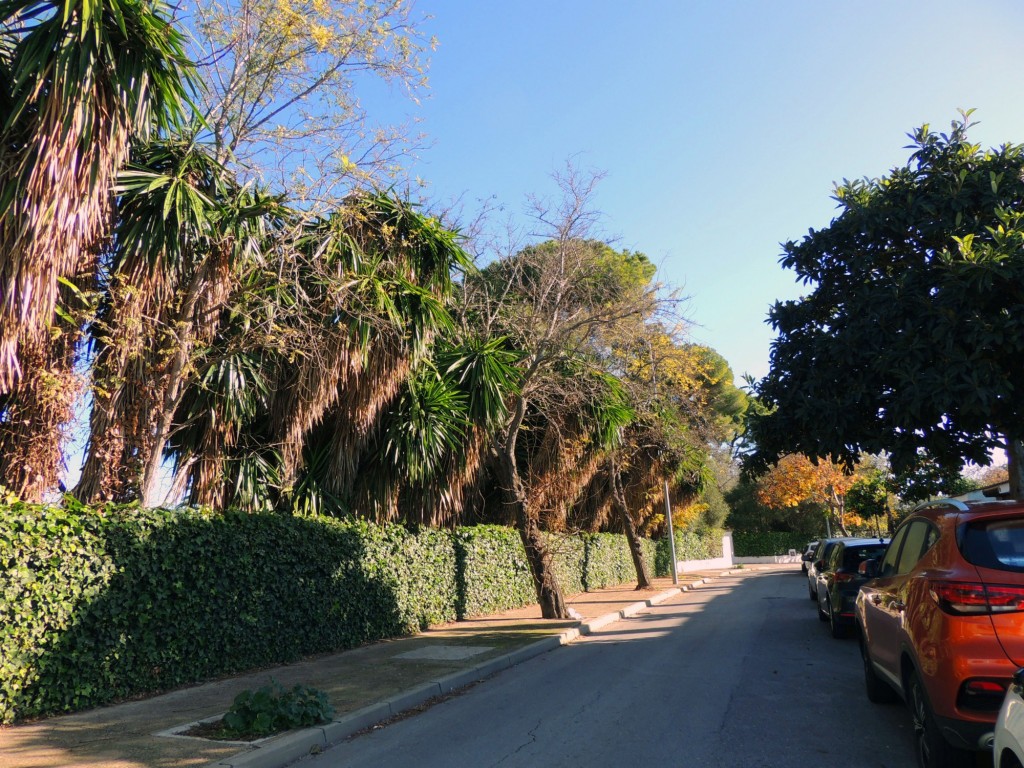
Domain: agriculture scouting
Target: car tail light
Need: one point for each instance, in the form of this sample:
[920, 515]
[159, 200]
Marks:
[842, 576]
[985, 695]
[966, 598]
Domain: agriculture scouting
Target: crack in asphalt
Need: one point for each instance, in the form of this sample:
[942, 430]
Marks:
[532, 733]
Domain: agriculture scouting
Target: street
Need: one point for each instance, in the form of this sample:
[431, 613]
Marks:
[738, 672]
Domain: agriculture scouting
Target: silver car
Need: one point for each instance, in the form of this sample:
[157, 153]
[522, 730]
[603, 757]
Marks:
[1009, 745]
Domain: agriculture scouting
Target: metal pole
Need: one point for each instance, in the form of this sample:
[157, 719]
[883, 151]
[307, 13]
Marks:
[671, 535]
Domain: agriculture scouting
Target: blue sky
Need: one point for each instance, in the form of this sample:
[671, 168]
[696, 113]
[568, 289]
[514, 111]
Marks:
[721, 125]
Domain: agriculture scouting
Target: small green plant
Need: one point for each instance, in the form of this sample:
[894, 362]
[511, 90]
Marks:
[272, 709]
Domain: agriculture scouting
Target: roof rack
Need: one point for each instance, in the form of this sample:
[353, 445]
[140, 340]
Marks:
[955, 503]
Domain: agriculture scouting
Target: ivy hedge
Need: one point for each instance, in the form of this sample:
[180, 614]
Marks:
[690, 545]
[767, 544]
[106, 603]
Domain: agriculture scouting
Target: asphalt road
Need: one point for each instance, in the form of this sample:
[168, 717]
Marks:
[739, 672]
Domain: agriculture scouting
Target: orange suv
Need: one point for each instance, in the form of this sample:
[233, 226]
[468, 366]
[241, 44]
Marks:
[941, 623]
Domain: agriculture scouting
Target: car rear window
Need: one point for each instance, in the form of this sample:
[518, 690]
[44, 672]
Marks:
[996, 544]
[854, 556]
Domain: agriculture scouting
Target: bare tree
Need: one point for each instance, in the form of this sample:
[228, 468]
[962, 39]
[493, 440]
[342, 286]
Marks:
[556, 302]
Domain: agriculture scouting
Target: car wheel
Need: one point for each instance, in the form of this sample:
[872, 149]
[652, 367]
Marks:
[877, 689]
[822, 616]
[838, 630]
[811, 593]
[933, 751]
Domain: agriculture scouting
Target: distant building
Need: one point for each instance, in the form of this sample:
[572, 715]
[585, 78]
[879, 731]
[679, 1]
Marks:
[994, 491]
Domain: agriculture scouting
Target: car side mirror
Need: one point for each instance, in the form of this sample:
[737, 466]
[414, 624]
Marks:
[869, 568]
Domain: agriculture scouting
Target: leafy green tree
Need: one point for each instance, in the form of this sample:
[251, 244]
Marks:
[748, 513]
[870, 497]
[911, 337]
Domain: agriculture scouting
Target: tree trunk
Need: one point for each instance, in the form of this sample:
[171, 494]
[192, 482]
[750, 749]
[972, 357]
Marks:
[1015, 467]
[35, 416]
[149, 484]
[549, 592]
[643, 576]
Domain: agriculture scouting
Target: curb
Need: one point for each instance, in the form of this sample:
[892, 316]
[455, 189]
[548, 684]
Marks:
[290, 747]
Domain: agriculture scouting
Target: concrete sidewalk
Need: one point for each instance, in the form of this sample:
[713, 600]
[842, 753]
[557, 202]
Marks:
[366, 685]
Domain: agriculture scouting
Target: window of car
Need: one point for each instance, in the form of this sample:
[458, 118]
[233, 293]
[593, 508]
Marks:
[854, 556]
[829, 549]
[921, 536]
[995, 544]
[836, 558]
[888, 567]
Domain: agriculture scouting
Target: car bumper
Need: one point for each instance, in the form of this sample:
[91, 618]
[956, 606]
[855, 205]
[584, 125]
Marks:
[967, 734]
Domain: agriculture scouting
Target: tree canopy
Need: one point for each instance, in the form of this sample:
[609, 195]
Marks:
[911, 339]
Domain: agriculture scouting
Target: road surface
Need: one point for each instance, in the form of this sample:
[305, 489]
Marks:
[738, 672]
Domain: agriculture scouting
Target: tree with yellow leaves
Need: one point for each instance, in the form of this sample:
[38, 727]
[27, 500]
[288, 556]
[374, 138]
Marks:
[796, 480]
[281, 100]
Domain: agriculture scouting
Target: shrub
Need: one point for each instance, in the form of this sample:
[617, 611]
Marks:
[273, 709]
[100, 605]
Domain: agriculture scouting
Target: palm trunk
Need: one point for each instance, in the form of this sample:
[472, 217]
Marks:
[36, 413]
[208, 285]
[643, 576]
[151, 470]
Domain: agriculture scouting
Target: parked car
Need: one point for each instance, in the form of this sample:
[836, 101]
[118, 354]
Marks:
[839, 581]
[821, 554]
[808, 554]
[941, 624]
[1009, 746]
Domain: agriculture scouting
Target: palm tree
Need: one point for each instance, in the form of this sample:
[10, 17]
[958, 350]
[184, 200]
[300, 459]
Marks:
[184, 229]
[81, 79]
[333, 327]
[430, 450]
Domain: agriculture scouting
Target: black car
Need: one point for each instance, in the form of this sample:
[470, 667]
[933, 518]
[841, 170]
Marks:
[816, 562]
[839, 580]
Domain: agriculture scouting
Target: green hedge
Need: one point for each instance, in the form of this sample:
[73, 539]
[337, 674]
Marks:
[767, 544]
[100, 607]
[690, 545]
[97, 605]
[608, 562]
[497, 576]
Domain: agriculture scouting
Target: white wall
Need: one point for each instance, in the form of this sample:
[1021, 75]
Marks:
[725, 561]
